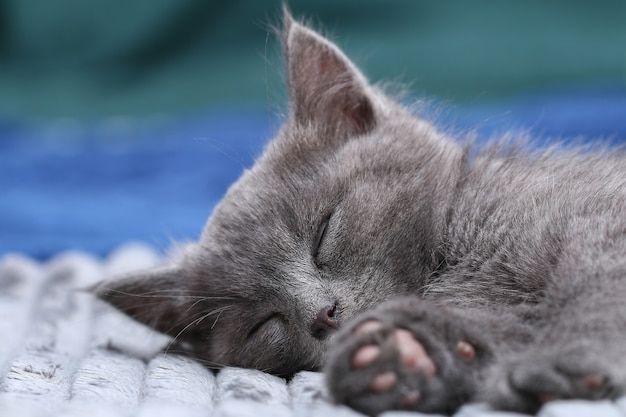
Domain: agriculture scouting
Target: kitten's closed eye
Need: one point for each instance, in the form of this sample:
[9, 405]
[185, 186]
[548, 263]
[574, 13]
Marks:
[265, 320]
[319, 238]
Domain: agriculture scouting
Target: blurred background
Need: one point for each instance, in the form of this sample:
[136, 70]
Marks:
[126, 121]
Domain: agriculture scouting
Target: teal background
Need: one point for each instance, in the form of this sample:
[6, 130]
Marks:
[101, 58]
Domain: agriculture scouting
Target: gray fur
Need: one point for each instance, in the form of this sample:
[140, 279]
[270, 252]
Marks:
[522, 253]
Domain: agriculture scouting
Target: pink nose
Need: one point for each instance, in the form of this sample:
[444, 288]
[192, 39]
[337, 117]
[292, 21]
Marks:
[325, 322]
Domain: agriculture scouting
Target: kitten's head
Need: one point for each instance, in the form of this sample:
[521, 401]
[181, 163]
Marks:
[342, 211]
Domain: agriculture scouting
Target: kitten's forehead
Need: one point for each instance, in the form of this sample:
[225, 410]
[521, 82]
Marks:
[258, 219]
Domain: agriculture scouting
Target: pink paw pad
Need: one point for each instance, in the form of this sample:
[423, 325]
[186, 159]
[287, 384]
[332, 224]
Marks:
[383, 382]
[412, 352]
[368, 326]
[466, 351]
[365, 356]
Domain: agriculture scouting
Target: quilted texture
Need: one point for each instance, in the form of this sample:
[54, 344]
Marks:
[66, 354]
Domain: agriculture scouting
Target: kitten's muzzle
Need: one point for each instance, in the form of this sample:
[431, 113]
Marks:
[325, 323]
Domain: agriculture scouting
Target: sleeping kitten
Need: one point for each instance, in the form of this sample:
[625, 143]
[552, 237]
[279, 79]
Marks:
[475, 275]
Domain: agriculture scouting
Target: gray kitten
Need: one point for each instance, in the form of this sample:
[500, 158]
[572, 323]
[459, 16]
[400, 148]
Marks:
[493, 275]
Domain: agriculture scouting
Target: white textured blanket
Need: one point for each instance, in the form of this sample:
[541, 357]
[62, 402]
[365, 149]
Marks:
[64, 353]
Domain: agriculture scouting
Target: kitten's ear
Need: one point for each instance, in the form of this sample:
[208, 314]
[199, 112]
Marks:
[325, 88]
[155, 298]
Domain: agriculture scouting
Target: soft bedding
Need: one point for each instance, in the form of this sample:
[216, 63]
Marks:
[63, 353]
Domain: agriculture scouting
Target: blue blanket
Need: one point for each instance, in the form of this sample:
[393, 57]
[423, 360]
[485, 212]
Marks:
[95, 185]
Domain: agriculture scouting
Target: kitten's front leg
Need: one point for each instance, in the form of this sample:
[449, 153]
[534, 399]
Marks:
[408, 354]
[578, 354]
[525, 382]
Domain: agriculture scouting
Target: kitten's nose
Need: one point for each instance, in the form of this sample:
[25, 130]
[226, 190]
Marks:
[325, 322]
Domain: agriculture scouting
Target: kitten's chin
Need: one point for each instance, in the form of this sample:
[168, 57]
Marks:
[313, 362]
[307, 354]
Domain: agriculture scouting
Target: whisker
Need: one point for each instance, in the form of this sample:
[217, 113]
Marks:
[165, 293]
[198, 320]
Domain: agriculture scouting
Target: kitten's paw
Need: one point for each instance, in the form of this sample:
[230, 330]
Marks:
[411, 354]
[405, 355]
[528, 383]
